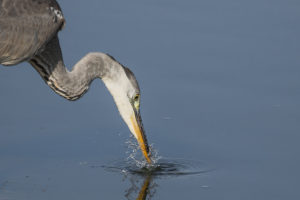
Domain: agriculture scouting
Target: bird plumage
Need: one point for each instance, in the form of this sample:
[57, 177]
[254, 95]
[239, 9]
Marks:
[28, 32]
[25, 28]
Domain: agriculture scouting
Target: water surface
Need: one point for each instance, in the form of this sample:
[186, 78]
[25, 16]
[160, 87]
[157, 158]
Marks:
[220, 85]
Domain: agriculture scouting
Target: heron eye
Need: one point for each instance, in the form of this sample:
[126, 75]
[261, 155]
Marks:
[136, 102]
[136, 98]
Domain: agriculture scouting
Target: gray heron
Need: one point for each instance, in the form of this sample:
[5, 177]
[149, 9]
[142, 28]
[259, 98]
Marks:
[28, 32]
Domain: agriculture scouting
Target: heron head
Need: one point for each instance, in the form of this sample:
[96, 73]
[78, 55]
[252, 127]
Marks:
[124, 88]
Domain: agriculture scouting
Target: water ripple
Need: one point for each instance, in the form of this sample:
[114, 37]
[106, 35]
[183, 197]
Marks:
[163, 167]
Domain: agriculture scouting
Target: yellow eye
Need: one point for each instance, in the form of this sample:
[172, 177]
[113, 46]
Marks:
[136, 102]
[136, 98]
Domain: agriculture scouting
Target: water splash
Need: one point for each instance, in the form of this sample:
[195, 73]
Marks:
[136, 164]
[135, 157]
[165, 167]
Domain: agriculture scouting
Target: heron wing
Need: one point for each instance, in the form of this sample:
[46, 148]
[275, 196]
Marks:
[25, 28]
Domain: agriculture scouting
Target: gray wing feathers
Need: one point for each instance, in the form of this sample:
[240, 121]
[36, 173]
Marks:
[25, 28]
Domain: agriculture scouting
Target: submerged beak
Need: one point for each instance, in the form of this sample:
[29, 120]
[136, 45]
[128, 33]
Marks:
[139, 133]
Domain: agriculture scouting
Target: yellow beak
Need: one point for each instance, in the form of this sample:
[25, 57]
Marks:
[140, 135]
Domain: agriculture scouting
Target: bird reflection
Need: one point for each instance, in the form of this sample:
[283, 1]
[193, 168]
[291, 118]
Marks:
[141, 190]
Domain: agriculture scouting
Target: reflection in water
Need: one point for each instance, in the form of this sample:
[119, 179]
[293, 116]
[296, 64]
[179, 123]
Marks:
[142, 174]
[140, 191]
[163, 168]
[141, 188]
[144, 189]
[142, 179]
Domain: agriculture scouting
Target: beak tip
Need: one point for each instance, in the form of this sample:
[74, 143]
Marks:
[148, 159]
[147, 155]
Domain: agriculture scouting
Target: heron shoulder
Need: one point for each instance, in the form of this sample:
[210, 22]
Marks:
[26, 26]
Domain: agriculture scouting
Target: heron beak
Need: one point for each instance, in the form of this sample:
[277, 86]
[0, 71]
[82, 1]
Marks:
[139, 133]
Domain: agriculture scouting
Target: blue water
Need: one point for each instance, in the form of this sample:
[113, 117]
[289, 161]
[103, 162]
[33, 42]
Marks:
[220, 85]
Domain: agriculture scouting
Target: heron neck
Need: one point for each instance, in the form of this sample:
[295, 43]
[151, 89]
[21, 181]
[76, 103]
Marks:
[75, 83]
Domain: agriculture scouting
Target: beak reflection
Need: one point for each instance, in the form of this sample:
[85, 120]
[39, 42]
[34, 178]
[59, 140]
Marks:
[144, 189]
[136, 121]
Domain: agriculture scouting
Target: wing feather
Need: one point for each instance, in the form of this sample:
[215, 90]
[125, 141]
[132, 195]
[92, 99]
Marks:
[25, 28]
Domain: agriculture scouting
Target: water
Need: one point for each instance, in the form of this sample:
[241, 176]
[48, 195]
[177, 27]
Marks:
[165, 167]
[136, 164]
[220, 91]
